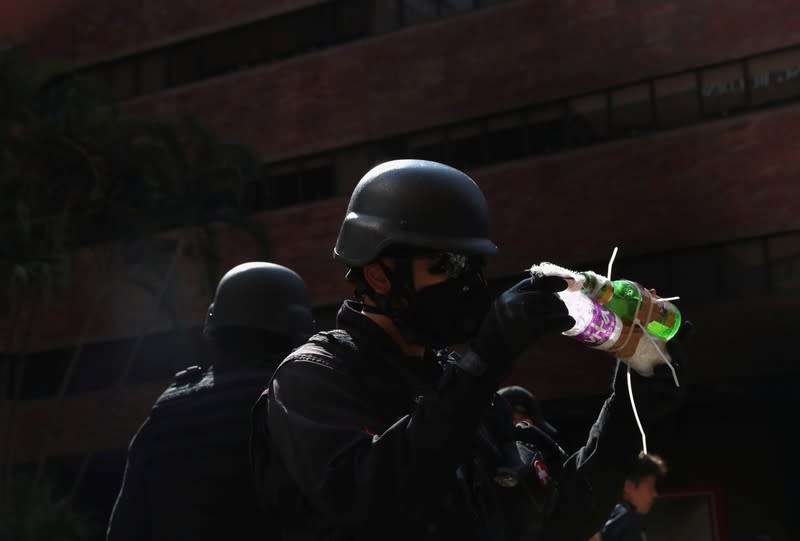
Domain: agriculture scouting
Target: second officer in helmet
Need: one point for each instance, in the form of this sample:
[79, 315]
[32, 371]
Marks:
[187, 474]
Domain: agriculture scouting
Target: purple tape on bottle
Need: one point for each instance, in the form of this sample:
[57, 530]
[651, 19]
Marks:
[604, 325]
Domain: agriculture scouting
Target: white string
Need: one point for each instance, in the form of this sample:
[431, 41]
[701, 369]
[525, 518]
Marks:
[611, 262]
[635, 413]
[660, 352]
[636, 321]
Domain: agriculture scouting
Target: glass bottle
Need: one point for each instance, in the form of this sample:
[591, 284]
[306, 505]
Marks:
[599, 328]
[660, 318]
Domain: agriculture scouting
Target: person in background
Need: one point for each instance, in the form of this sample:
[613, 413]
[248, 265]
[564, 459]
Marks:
[638, 495]
[526, 408]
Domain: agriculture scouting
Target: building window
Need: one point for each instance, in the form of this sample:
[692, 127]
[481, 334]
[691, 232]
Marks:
[283, 36]
[388, 149]
[152, 72]
[428, 146]
[775, 77]
[631, 110]
[315, 26]
[419, 11]
[454, 7]
[317, 180]
[352, 19]
[505, 138]
[350, 166]
[253, 198]
[465, 147]
[283, 185]
[784, 262]
[218, 53]
[677, 100]
[723, 89]
[386, 16]
[588, 119]
[545, 128]
[292, 33]
[122, 80]
[249, 44]
[184, 64]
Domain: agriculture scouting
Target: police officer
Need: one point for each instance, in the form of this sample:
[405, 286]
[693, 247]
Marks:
[375, 430]
[187, 475]
[526, 408]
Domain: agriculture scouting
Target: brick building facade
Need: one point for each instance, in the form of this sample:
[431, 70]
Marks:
[669, 129]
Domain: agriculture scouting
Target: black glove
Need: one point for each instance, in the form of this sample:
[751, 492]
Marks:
[518, 317]
[657, 395]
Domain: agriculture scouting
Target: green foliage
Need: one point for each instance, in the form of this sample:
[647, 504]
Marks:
[75, 172]
[32, 512]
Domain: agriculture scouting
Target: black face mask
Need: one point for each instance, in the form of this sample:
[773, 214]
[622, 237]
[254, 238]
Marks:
[446, 313]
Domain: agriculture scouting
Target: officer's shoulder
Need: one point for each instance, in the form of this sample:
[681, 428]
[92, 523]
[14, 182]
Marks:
[334, 349]
[189, 375]
[184, 383]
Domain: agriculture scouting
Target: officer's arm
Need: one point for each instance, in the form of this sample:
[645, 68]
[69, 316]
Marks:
[595, 474]
[350, 470]
[130, 518]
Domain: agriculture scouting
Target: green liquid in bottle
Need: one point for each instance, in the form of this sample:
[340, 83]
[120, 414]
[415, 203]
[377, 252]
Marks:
[667, 321]
[623, 297]
[625, 300]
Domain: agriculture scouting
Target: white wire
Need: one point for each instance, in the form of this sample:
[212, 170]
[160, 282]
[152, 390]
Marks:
[635, 413]
[611, 262]
[638, 323]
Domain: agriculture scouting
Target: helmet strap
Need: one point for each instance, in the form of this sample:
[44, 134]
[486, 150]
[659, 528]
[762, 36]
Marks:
[400, 295]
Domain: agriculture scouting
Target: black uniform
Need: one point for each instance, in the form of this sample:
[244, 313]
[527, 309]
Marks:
[624, 524]
[187, 474]
[355, 440]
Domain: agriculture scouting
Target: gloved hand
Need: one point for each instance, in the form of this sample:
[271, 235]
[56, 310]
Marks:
[518, 317]
[657, 395]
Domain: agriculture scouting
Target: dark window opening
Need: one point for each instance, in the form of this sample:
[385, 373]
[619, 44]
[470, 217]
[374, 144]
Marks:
[282, 36]
[588, 121]
[284, 189]
[428, 146]
[677, 100]
[546, 129]
[631, 110]
[465, 146]
[419, 11]
[505, 138]
[317, 183]
[352, 20]
[184, 64]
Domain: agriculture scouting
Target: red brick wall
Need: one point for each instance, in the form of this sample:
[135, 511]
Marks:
[497, 59]
[713, 182]
[84, 31]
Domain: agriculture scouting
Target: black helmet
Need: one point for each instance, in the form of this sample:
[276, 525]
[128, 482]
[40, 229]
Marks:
[524, 401]
[414, 203]
[261, 296]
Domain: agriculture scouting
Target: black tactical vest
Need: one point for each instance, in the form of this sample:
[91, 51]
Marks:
[193, 450]
[505, 492]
